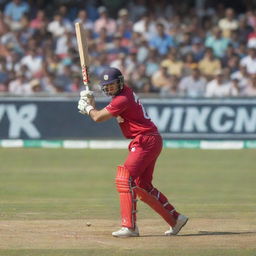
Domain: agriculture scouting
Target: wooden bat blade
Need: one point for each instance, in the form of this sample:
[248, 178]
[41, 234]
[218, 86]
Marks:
[83, 52]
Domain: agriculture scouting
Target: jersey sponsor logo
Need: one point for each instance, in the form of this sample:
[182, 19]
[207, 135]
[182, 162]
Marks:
[133, 149]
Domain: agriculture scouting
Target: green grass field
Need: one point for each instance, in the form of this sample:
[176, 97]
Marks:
[48, 195]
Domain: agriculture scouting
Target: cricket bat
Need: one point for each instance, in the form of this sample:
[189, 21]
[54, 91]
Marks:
[83, 53]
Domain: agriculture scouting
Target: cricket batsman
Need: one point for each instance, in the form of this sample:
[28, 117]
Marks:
[134, 177]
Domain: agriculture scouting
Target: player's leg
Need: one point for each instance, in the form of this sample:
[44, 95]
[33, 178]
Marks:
[154, 198]
[145, 190]
[125, 187]
[128, 201]
[159, 202]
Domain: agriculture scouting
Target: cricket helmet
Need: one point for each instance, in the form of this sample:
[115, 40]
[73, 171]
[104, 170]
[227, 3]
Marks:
[109, 76]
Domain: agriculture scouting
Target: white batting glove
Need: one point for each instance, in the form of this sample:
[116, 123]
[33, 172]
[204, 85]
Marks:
[88, 97]
[84, 107]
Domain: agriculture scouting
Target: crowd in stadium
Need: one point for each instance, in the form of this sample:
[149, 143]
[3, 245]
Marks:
[169, 49]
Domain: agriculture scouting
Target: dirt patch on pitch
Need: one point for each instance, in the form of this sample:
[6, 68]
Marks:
[76, 234]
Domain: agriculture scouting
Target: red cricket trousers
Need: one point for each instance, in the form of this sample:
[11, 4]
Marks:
[140, 162]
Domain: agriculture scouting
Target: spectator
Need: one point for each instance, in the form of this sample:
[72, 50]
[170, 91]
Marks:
[64, 80]
[229, 53]
[64, 43]
[131, 63]
[76, 84]
[161, 78]
[242, 50]
[104, 21]
[20, 85]
[123, 19]
[4, 75]
[143, 51]
[120, 63]
[235, 88]
[137, 8]
[209, 65]
[162, 42]
[249, 61]
[40, 21]
[243, 78]
[228, 23]
[251, 18]
[145, 26]
[197, 48]
[189, 64]
[115, 48]
[13, 61]
[173, 63]
[102, 40]
[250, 91]
[152, 62]
[193, 85]
[48, 83]
[185, 45]
[219, 87]
[82, 17]
[59, 26]
[14, 12]
[243, 30]
[171, 89]
[251, 43]
[10, 41]
[217, 42]
[140, 85]
[33, 61]
[233, 63]
[35, 85]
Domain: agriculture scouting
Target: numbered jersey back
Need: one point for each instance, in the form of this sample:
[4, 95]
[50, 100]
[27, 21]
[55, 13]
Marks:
[128, 106]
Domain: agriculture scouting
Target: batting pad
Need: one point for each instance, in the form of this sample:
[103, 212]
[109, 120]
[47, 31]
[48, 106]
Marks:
[156, 205]
[127, 197]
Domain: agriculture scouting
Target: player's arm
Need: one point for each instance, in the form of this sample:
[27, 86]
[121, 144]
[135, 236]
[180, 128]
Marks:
[86, 106]
[100, 115]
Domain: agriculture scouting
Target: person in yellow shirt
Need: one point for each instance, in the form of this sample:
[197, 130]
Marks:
[161, 78]
[209, 64]
[173, 64]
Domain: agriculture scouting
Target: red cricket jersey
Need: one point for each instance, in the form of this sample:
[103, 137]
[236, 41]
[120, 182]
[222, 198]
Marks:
[128, 106]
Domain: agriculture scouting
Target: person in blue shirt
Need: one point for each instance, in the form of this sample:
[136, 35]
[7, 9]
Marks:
[16, 9]
[162, 42]
[217, 42]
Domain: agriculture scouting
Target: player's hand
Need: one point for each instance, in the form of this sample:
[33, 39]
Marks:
[88, 96]
[84, 107]
[119, 119]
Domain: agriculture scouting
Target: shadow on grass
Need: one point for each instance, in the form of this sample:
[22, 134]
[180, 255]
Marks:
[207, 233]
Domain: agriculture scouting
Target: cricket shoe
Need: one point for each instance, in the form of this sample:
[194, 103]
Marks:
[181, 222]
[126, 232]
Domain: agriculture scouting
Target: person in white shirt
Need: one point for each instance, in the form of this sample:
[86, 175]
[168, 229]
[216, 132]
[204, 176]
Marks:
[20, 85]
[220, 87]
[243, 78]
[59, 25]
[249, 61]
[250, 91]
[33, 61]
[193, 85]
[145, 26]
